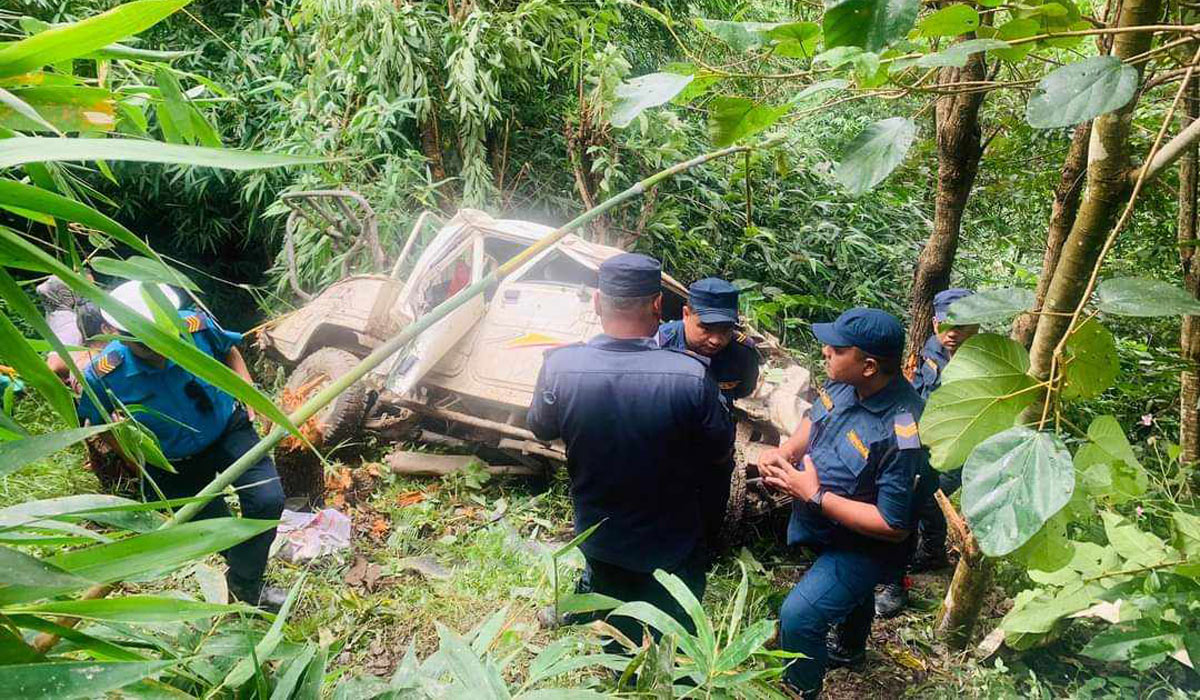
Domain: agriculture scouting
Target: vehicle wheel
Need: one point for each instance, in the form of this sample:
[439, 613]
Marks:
[342, 418]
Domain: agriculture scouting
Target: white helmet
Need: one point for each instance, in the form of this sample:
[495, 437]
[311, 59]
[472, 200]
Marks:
[130, 294]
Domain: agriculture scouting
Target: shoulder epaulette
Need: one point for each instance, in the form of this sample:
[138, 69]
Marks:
[932, 363]
[907, 437]
[826, 401]
[744, 338]
[196, 322]
[107, 362]
[694, 355]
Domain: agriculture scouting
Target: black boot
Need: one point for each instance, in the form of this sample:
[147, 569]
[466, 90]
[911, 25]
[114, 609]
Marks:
[926, 560]
[890, 599]
[843, 657]
[267, 598]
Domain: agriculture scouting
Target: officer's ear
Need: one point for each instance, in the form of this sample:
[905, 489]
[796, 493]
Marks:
[658, 305]
[870, 365]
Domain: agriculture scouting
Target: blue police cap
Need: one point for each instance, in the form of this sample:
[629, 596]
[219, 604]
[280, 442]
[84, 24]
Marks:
[942, 301]
[714, 300]
[875, 332]
[630, 275]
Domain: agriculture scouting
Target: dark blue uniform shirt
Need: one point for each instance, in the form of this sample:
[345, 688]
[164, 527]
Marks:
[169, 401]
[866, 450]
[928, 376]
[646, 430]
[735, 368]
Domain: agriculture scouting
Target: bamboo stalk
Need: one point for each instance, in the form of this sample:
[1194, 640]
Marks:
[408, 334]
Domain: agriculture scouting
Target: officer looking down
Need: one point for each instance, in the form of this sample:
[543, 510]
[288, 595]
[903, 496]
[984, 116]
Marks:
[201, 429]
[649, 444]
[709, 327]
[851, 468]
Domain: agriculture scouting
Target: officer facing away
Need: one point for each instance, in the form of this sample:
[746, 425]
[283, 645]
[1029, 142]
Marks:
[709, 328]
[649, 443]
[859, 455]
[201, 429]
[929, 549]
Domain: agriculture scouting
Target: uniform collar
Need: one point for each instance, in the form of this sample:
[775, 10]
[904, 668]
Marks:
[934, 347]
[885, 398]
[607, 342]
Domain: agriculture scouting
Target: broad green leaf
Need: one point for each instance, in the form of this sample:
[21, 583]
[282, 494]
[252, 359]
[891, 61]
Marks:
[1134, 296]
[15, 454]
[1012, 484]
[14, 193]
[961, 414]
[38, 149]
[133, 609]
[1142, 643]
[245, 668]
[69, 109]
[733, 119]
[314, 677]
[137, 267]
[700, 84]
[990, 306]
[871, 24]
[68, 41]
[956, 55]
[951, 20]
[639, 94]
[295, 671]
[1090, 362]
[987, 355]
[1036, 611]
[183, 353]
[587, 602]
[1088, 560]
[1081, 91]
[20, 569]
[740, 36]
[1049, 550]
[875, 153]
[1138, 547]
[1187, 533]
[139, 554]
[62, 680]
[818, 88]
[1107, 465]
[1021, 28]
[795, 39]
[32, 369]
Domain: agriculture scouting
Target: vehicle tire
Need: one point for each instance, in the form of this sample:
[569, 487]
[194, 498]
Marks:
[342, 418]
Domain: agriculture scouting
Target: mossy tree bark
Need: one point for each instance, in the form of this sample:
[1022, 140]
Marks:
[1189, 378]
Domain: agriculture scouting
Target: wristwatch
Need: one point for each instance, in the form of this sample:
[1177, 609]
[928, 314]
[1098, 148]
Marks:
[814, 501]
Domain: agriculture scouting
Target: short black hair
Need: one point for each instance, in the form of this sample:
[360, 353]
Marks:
[888, 365]
[88, 319]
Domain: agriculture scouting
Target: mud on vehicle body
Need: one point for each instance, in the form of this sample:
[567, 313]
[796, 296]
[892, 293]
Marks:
[468, 380]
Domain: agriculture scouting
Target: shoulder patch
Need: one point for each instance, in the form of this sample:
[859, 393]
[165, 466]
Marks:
[931, 363]
[107, 362]
[744, 338]
[825, 400]
[196, 322]
[694, 355]
[907, 437]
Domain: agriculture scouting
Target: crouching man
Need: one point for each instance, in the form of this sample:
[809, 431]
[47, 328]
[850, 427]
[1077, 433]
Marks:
[852, 467]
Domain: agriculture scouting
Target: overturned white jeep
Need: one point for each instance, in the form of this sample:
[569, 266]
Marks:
[466, 382]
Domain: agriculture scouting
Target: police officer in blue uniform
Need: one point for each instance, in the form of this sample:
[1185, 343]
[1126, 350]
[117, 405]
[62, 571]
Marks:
[853, 468]
[709, 328]
[928, 546]
[200, 429]
[649, 443]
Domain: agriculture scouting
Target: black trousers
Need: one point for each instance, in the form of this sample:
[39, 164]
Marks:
[247, 560]
[628, 586]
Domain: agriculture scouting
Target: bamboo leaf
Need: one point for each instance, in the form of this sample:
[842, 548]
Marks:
[1013, 483]
[37, 149]
[133, 609]
[99, 648]
[14, 106]
[100, 508]
[15, 454]
[63, 680]
[13, 193]
[30, 366]
[60, 109]
[70, 41]
[295, 671]
[145, 269]
[20, 569]
[246, 668]
[1081, 91]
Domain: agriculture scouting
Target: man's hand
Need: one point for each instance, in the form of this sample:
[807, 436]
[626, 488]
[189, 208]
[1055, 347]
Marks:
[800, 485]
[773, 458]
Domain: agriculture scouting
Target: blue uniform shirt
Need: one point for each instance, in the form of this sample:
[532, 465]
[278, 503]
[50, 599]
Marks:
[735, 368]
[868, 451]
[170, 401]
[928, 376]
[645, 430]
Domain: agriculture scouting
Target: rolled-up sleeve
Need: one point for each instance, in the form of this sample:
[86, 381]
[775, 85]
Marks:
[897, 476]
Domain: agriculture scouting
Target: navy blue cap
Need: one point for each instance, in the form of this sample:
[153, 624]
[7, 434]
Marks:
[714, 300]
[875, 332]
[630, 275]
[942, 301]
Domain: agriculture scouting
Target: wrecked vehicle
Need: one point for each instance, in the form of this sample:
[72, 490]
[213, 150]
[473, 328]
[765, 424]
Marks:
[467, 381]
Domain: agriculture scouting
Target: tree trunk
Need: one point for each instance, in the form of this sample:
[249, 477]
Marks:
[1189, 340]
[1107, 189]
[959, 150]
[1062, 218]
[972, 577]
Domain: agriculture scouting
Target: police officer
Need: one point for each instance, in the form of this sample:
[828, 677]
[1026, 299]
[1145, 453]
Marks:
[851, 468]
[649, 443]
[709, 328]
[200, 429]
[928, 547]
